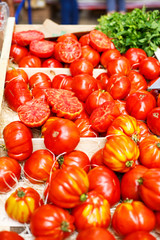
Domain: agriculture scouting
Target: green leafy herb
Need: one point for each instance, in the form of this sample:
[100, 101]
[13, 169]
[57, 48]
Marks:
[136, 29]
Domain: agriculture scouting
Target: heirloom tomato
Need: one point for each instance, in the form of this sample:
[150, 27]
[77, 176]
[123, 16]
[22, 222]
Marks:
[130, 184]
[153, 120]
[24, 38]
[39, 79]
[109, 55]
[105, 182]
[97, 159]
[81, 66]
[62, 136]
[17, 52]
[119, 65]
[149, 68]
[30, 61]
[144, 130]
[21, 204]
[16, 73]
[75, 158]
[46, 124]
[62, 81]
[137, 81]
[135, 56]
[103, 79]
[53, 222]
[139, 104]
[38, 167]
[91, 55]
[130, 216]
[10, 171]
[99, 41]
[121, 104]
[68, 187]
[10, 235]
[42, 48]
[85, 128]
[94, 212]
[120, 153]
[51, 63]
[18, 140]
[94, 233]
[139, 235]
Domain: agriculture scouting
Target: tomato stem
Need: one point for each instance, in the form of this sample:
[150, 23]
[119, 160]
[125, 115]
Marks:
[64, 226]
[127, 200]
[158, 145]
[140, 181]
[60, 160]
[135, 138]
[3, 147]
[83, 197]
[20, 193]
[129, 163]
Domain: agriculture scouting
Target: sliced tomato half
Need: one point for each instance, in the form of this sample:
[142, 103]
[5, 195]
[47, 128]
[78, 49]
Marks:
[42, 48]
[24, 38]
[100, 41]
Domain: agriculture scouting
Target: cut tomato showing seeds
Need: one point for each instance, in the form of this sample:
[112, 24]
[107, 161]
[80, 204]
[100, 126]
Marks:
[42, 48]
[34, 113]
[64, 103]
[24, 38]
[99, 41]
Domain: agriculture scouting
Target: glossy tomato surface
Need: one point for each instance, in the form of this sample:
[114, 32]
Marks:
[91, 55]
[10, 235]
[119, 65]
[139, 235]
[81, 66]
[150, 68]
[109, 55]
[30, 61]
[135, 56]
[94, 233]
[17, 52]
[153, 121]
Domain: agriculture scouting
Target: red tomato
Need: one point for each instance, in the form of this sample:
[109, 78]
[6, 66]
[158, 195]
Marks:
[39, 79]
[51, 63]
[102, 116]
[68, 187]
[81, 66]
[10, 235]
[156, 92]
[139, 104]
[97, 159]
[21, 204]
[75, 158]
[118, 86]
[109, 55]
[39, 165]
[121, 106]
[149, 68]
[129, 183]
[85, 128]
[53, 222]
[16, 73]
[30, 61]
[153, 121]
[18, 140]
[139, 235]
[144, 130]
[94, 233]
[91, 55]
[135, 56]
[17, 52]
[83, 85]
[24, 38]
[157, 228]
[84, 39]
[99, 41]
[10, 172]
[46, 124]
[103, 79]
[119, 65]
[62, 81]
[89, 213]
[42, 48]
[66, 35]
[105, 182]
[62, 136]
[130, 216]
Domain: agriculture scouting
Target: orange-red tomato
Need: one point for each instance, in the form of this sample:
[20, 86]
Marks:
[10, 235]
[94, 233]
[139, 235]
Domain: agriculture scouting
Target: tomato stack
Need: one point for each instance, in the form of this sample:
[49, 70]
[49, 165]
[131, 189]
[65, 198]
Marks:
[80, 193]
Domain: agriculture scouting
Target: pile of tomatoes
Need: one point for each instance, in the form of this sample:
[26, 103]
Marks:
[80, 192]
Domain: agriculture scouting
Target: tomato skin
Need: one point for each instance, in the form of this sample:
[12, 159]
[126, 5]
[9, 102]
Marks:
[97, 159]
[119, 65]
[99, 41]
[81, 66]
[153, 120]
[91, 55]
[94, 233]
[150, 68]
[139, 104]
[131, 216]
[46, 124]
[25, 201]
[39, 165]
[30, 61]
[85, 128]
[157, 228]
[18, 140]
[109, 55]
[66, 35]
[54, 222]
[103, 79]
[105, 182]
[40, 80]
[144, 130]
[62, 136]
[139, 235]
[17, 52]
[10, 171]
[10, 235]
[76, 180]
[62, 81]
[16, 73]
[75, 158]
[84, 39]
[138, 82]
[116, 147]
[121, 104]
[129, 183]
[89, 213]
[51, 63]
[135, 56]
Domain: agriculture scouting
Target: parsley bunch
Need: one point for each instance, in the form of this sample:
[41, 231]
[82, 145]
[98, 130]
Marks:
[136, 29]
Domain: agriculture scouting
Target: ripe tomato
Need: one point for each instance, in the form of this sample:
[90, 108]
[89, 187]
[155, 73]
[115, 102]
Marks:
[39, 165]
[75, 158]
[157, 228]
[46, 124]
[89, 213]
[109, 55]
[24, 38]
[10, 172]
[139, 235]
[105, 182]
[85, 128]
[84, 39]
[121, 104]
[144, 130]
[68, 187]
[10, 235]
[30, 61]
[139, 104]
[42, 48]
[99, 41]
[97, 159]
[120, 153]
[66, 35]
[62, 81]
[119, 65]
[17, 52]
[129, 183]
[118, 86]
[18, 140]
[83, 85]
[81, 66]
[138, 82]
[16, 73]
[62, 136]
[130, 216]
[39, 79]
[135, 56]
[51, 63]
[103, 79]
[153, 120]
[53, 222]
[91, 55]
[21, 204]
[149, 68]
[94, 233]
